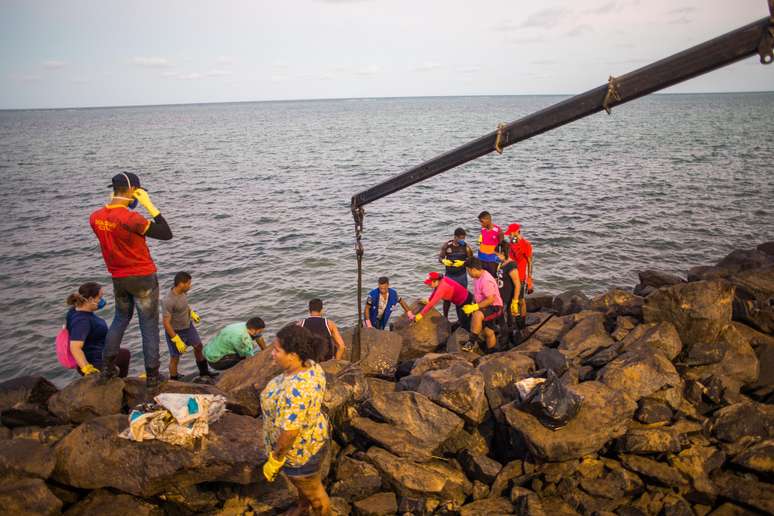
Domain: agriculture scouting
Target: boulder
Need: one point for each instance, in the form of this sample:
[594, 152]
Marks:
[540, 303]
[436, 479]
[623, 326]
[617, 302]
[658, 279]
[699, 310]
[639, 374]
[513, 469]
[395, 439]
[604, 415]
[526, 502]
[758, 458]
[434, 361]
[105, 503]
[648, 440]
[743, 419]
[459, 388]
[740, 260]
[355, 479]
[27, 496]
[707, 273]
[423, 337]
[429, 425]
[552, 330]
[377, 386]
[93, 456]
[501, 371]
[457, 339]
[570, 302]
[551, 359]
[652, 337]
[27, 458]
[23, 402]
[257, 497]
[479, 467]
[754, 298]
[585, 338]
[191, 498]
[245, 381]
[746, 491]
[651, 411]
[379, 504]
[379, 350]
[87, 398]
[340, 507]
[135, 393]
[654, 470]
[766, 247]
[487, 506]
[738, 364]
[345, 390]
[763, 345]
[697, 463]
[730, 509]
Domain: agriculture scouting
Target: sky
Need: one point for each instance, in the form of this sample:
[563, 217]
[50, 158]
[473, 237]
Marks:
[79, 53]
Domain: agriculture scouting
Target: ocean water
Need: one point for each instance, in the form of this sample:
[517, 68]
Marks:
[257, 195]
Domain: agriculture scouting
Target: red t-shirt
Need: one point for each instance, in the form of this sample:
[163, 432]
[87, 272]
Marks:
[447, 290]
[520, 253]
[121, 234]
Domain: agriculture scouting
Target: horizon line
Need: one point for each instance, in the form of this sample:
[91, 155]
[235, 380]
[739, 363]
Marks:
[175, 104]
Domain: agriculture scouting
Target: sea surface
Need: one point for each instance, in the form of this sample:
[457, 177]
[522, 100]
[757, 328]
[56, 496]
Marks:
[257, 195]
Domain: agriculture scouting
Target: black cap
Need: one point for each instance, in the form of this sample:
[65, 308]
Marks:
[459, 232]
[124, 180]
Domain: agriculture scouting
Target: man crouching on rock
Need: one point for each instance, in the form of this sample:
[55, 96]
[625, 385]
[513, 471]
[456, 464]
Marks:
[487, 310]
[295, 429]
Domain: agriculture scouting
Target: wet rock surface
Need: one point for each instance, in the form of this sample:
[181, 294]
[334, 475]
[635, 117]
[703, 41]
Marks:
[676, 418]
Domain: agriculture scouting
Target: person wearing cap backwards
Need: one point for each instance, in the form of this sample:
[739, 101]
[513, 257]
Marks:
[446, 289]
[121, 233]
[489, 241]
[453, 255]
[486, 311]
[520, 251]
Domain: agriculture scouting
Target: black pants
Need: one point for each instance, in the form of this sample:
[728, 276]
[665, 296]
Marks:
[227, 362]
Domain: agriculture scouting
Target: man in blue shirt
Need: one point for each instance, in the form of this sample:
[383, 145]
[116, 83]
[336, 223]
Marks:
[379, 305]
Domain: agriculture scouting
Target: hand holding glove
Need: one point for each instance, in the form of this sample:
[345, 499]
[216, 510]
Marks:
[272, 467]
[530, 290]
[89, 369]
[469, 309]
[144, 199]
[418, 317]
[179, 344]
[446, 262]
[195, 317]
[515, 307]
[458, 263]
[410, 315]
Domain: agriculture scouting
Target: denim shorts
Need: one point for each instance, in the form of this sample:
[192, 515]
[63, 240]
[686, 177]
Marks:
[311, 466]
[190, 336]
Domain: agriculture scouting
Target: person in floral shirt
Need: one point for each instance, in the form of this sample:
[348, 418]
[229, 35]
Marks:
[295, 428]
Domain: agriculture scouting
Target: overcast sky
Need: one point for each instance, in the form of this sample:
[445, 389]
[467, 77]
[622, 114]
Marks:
[68, 53]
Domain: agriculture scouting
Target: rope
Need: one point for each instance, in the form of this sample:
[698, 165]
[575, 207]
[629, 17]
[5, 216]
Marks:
[612, 93]
[499, 140]
[358, 214]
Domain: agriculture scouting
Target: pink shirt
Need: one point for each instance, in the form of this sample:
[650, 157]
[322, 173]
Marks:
[486, 286]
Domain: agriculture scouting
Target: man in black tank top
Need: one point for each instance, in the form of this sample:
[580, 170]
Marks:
[333, 343]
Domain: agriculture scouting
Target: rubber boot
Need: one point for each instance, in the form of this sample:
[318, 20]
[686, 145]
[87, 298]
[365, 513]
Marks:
[204, 370]
[152, 380]
[109, 369]
[472, 342]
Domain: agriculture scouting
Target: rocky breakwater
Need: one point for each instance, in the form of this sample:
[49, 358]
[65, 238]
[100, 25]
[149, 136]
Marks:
[676, 418]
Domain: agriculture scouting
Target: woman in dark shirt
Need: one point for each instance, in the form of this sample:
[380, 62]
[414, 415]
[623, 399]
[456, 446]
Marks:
[87, 331]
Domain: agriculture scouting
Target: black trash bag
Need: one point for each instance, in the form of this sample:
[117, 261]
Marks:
[552, 403]
[551, 359]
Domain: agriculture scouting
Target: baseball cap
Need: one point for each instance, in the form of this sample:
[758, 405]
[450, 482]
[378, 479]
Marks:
[513, 228]
[433, 276]
[125, 179]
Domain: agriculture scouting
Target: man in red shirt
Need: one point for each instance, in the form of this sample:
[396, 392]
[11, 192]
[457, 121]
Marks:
[520, 251]
[121, 233]
[446, 289]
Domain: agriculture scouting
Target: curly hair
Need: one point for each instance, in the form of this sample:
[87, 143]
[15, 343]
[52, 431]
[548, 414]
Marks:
[297, 339]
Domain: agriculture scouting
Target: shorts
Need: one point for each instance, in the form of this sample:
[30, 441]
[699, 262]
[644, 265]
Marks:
[311, 466]
[190, 336]
[492, 316]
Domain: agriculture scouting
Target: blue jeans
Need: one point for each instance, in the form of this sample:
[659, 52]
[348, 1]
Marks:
[142, 291]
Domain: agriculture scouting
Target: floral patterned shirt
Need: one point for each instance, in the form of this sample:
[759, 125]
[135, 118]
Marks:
[294, 402]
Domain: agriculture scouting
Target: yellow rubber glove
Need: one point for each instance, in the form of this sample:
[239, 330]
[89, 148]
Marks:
[480, 238]
[458, 263]
[271, 467]
[446, 262]
[195, 317]
[515, 307]
[469, 309]
[89, 369]
[418, 317]
[144, 199]
[179, 344]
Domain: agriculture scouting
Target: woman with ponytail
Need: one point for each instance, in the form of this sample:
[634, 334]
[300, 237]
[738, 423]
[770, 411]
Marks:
[87, 330]
[295, 428]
